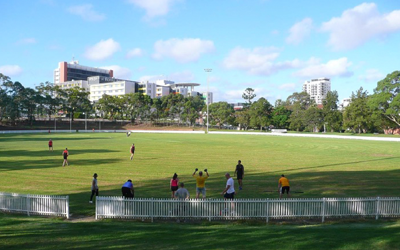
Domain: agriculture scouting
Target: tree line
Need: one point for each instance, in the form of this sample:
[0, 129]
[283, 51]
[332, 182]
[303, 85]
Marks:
[366, 112]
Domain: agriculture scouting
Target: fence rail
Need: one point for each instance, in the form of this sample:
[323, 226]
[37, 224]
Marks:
[240, 209]
[35, 204]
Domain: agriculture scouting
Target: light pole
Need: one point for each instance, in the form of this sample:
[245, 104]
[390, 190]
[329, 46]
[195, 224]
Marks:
[208, 73]
[55, 122]
[70, 122]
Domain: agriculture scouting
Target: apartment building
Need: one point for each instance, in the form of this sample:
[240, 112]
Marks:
[317, 89]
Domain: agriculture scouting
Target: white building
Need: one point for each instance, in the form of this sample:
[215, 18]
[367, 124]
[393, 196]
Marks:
[317, 88]
[73, 84]
[116, 88]
[148, 88]
[346, 102]
[210, 97]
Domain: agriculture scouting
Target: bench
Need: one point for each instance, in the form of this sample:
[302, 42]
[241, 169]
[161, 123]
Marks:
[279, 130]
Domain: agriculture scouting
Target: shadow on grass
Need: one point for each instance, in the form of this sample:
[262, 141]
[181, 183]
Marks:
[38, 233]
[54, 153]
[45, 138]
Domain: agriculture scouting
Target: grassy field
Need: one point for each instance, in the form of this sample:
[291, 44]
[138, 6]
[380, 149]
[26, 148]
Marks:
[319, 167]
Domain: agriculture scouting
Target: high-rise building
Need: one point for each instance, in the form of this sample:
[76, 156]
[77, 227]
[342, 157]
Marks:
[317, 89]
[73, 71]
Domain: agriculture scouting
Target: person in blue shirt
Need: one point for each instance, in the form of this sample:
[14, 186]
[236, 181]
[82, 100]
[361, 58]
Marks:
[127, 190]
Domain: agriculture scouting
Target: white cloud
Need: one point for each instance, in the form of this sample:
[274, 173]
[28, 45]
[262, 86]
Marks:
[288, 87]
[86, 12]
[338, 67]
[154, 8]
[257, 61]
[10, 70]
[183, 76]
[136, 52]
[119, 72]
[299, 31]
[358, 25]
[183, 50]
[102, 50]
[372, 75]
[151, 78]
[24, 41]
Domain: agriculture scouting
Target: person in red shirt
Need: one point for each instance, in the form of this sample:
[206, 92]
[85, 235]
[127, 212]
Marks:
[50, 145]
[65, 155]
[132, 150]
[174, 184]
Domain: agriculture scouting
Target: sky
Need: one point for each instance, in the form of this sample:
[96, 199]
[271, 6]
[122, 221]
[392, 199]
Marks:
[272, 46]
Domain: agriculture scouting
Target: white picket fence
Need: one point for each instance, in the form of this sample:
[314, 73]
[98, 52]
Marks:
[240, 209]
[35, 204]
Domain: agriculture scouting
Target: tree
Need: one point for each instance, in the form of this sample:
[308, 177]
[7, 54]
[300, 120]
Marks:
[243, 118]
[298, 103]
[280, 117]
[50, 102]
[332, 116]
[173, 105]
[220, 113]
[260, 112]
[74, 100]
[313, 119]
[248, 95]
[110, 105]
[386, 99]
[357, 116]
[192, 109]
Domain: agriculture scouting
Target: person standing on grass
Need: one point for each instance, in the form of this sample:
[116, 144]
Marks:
[132, 150]
[50, 145]
[229, 191]
[127, 190]
[174, 184]
[65, 155]
[182, 192]
[283, 186]
[200, 183]
[95, 188]
[239, 172]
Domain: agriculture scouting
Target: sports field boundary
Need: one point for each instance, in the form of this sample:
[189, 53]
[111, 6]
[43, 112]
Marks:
[348, 137]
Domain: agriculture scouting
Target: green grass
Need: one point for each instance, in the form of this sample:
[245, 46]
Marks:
[19, 232]
[319, 167]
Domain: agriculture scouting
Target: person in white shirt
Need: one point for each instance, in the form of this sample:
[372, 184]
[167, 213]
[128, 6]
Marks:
[229, 191]
[95, 188]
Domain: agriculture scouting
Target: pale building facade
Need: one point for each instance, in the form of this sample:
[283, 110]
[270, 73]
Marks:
[317, 89]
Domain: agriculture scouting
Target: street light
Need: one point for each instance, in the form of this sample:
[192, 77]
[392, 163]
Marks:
[208, 73]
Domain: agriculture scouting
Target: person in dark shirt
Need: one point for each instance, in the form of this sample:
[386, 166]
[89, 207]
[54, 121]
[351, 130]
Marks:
[65, 155]
[132, 151]
[239, 172]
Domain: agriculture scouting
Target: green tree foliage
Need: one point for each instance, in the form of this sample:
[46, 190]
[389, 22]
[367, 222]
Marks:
[280, 117]
[220, 113]
[248, 95]
[357, 116]
[313, 119]
[75, 100]
[49, 101]
[333, 118]
[385, 101]
[260, 112]
[192, 109]
[173, 106]
[242, 118]
[109, 105]
[298, 103]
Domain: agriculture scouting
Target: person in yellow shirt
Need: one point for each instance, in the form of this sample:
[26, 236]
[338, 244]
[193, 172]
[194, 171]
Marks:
[283, 185]
[200, 183]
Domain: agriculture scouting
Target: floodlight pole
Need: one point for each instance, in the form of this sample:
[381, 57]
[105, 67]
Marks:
[207, 100]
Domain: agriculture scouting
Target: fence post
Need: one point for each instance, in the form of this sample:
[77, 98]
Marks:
[267, 210]
[377, 208]
[209, 210]
[323, 210]
[97, 202]
[28, 204]
[67, 206]
[152, 210]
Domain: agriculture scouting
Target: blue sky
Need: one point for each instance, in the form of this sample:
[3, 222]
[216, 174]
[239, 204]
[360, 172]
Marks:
[270, 45]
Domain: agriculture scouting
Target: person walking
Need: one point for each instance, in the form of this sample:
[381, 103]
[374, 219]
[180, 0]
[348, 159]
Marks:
[127, 189]
[239, 172]
[174, 184]
[95, 188]
[283, 186]
[50, 145]
[229, 191]
[132, 150]
[65, 154]
[200, 183]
